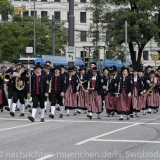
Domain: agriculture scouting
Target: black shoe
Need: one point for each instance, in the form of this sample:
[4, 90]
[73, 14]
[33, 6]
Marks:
[128, 118]
[157, 109]
[149, 112]
[79, 112]
[112, 113]
[49, 110]
[30, 110]
[131, 115]
[51, 116]
[17, 109]
[31, 118]
[45, 111]
[90, 117]
[42, 119]
[67, 114]
[120, 118]
[61, 115]
[57, 109]
[7, 108]
[39, 112]
[26, 107]
[108, 115]
[75, 113]
[21, 115]
[12, 114]
[1, 110]
[29, 106]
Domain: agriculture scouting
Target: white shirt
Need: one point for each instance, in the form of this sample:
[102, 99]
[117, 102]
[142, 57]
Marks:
[135, 79]
[56, 75]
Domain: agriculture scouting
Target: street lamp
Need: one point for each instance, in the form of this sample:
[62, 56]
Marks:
[34, 29]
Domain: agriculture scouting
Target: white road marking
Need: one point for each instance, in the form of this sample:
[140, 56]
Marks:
[125, 141]
[105, 134]
[45, 157]
[148, 119]
[32, 124]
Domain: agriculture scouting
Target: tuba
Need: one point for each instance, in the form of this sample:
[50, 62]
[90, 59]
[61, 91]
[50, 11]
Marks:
[7, 77]
[150, 90]
[20, 84]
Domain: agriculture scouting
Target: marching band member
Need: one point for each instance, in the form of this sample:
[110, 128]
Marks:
[20, 79]
[71, 90]
[48, 76]
[38, 89]
[63, 70]
[148, 70]
[145, 87]
[57, 87]
[95, 91]
[110, 89]
[153, 92]
[92, 64]
[137, 94]
[131, 68]
[125, 87]
[3, 99]
[82, 84]
[10, 84]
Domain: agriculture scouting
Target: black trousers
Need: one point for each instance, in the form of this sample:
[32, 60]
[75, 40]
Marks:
[55, 97]
[38, 98]
[10, 92]
[45, 98]
[18, 95]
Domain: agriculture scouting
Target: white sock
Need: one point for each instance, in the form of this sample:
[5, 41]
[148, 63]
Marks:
[42, 113]
[26, 102]
[67, 111]
[149, 110]
[61, 109]
[52, 109]
[18, 104]
[9, 103]
[75, 111]
[144, 111]
[13, 107]
[34, 110]
[121, 116]
[45, 105]
[22, 108]
[90, 114]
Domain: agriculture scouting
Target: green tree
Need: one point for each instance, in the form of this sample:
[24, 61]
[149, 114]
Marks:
[141, 27]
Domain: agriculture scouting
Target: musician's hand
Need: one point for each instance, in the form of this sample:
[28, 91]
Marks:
[141, 93]
[106, 90]
[12, 76]
[28, 95]
[129, 94]
[62, 94]
[77, 93]
[144, 91]
[92, 89]
[117, 96]
[81, 82]
[46, 94]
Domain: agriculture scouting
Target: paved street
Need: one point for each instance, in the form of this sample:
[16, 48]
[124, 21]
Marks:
[77, 137]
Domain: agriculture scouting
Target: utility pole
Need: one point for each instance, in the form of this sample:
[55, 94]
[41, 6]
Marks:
[71, 28]
[53, 35]
[34, 45]
[126, 41]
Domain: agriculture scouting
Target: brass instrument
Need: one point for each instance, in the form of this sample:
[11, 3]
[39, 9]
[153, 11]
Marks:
[7, 77]
[1, 76]
[20, 84]
[50, 86]
[150, 90]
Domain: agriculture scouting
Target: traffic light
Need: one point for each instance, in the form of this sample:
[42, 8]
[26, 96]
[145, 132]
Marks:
[23, 8]
[16, 10]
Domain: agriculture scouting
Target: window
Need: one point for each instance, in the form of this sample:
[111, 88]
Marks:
[57, 1]
[83, 1]
[43, 13]
[96, 17]
[43, 0]
[57, 15]
[145, 55]
[83, 36]
[25, 0]
[4, 17]
[32, 13]
[82, 17]
[25, 14]
[85, 53]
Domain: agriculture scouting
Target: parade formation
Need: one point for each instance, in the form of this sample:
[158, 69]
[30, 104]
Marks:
[123, 91]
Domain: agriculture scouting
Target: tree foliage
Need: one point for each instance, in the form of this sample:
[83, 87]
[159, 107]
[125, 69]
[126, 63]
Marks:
[17, 34]
[142, 26]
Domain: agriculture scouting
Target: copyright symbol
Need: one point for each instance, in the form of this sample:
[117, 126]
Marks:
[1, 154]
